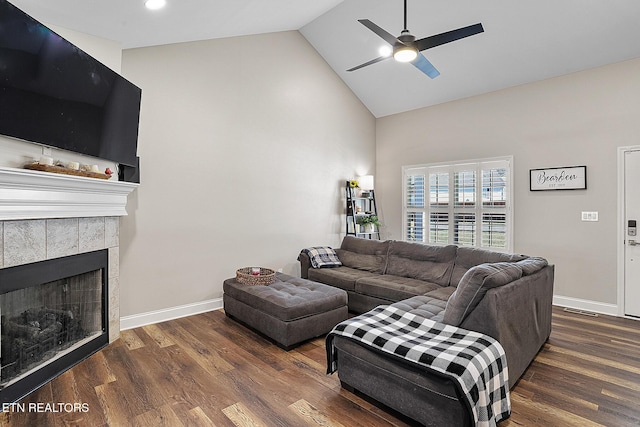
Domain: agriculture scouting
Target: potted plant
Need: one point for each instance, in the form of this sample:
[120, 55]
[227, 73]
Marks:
[369, 222]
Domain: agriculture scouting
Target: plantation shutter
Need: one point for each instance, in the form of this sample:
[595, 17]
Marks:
[467, 204]
[414, 206]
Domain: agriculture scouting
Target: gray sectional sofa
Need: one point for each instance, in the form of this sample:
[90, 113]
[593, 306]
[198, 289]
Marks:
[505, 296]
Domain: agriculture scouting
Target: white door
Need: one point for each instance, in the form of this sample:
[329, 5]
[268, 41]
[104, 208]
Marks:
[632, 233]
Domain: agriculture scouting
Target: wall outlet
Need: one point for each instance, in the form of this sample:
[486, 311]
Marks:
[589, 216]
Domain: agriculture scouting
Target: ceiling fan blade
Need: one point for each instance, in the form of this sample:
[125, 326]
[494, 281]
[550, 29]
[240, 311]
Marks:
[448, 37]
[423, 64]
[379, 31]
[373, 61]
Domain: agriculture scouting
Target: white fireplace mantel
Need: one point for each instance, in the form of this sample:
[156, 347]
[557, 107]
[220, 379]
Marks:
[28, 194]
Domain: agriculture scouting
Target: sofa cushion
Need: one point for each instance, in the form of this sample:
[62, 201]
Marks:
[364, 254]
[470, 257]
[340, 277]
[473, 286]
[393, 288]
[423, 306]
[433, 303]
[442, 294]
[532, 265]
[428, 399]
[423, 262]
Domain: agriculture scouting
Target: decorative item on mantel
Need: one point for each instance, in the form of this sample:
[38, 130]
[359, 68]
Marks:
[255, 276]
[45, 164]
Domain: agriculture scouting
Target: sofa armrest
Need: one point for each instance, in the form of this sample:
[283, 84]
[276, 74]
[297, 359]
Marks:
[305, 265]
[518, 315]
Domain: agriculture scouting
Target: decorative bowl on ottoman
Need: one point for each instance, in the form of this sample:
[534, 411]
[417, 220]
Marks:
[255, 276]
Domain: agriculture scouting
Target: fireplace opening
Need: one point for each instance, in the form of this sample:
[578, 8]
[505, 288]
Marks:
[53, 314]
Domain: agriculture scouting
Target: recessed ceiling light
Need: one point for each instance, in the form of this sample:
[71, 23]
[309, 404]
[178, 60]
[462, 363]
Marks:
[155, 4]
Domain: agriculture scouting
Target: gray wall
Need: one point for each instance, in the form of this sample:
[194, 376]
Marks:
[577, 119]
[244, 144]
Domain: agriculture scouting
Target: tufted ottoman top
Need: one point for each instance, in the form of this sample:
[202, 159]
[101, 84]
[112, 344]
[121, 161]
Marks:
[288, 298]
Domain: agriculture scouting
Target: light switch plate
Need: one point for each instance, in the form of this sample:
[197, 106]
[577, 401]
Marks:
[589, 216]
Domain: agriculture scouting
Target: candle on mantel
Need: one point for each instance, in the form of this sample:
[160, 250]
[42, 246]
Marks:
[46, 160]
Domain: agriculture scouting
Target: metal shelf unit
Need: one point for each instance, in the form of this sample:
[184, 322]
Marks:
[360, 203]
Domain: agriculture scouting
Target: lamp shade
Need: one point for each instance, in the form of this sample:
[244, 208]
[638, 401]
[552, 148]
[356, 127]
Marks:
[155, 4]
[366, 182]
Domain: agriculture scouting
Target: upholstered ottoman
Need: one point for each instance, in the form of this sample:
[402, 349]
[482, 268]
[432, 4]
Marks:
[289, 311]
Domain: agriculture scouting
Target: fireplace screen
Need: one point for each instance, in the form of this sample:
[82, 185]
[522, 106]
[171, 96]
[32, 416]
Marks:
[40, 322]
[52, 315]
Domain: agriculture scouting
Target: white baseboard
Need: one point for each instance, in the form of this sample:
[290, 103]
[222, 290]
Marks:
[157, 316]
[586, 305]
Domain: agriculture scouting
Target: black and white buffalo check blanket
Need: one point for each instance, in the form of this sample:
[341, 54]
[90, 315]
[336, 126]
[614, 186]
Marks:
[322, 256]
[475, 362]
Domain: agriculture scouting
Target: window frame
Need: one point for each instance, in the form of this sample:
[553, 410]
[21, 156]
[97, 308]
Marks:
[478, 210]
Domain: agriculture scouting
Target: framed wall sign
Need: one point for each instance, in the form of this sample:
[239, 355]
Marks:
[565, 178]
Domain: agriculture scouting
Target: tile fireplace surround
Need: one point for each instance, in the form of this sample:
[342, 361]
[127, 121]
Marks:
[46, 216]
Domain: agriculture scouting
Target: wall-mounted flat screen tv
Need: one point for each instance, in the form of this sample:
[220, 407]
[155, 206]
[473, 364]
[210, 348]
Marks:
[53, 93]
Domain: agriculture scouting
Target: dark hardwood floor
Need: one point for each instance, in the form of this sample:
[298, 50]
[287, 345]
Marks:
[208, 370]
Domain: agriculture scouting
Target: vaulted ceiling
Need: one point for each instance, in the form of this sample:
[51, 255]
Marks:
[522, 42]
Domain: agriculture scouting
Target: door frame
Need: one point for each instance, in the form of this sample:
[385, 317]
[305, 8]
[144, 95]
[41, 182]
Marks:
[620, 238]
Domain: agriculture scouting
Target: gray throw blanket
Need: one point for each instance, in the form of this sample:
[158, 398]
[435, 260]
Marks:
[475, 362]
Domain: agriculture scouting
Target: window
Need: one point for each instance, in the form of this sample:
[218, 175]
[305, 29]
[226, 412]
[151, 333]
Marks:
[465, 203]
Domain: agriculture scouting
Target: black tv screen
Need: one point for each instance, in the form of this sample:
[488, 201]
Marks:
[53, 93]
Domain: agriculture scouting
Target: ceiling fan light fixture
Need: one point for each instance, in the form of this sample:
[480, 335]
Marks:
[385, 51]
[405, 53]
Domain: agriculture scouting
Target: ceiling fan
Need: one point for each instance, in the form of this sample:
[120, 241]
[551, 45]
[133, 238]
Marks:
[407, 49]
